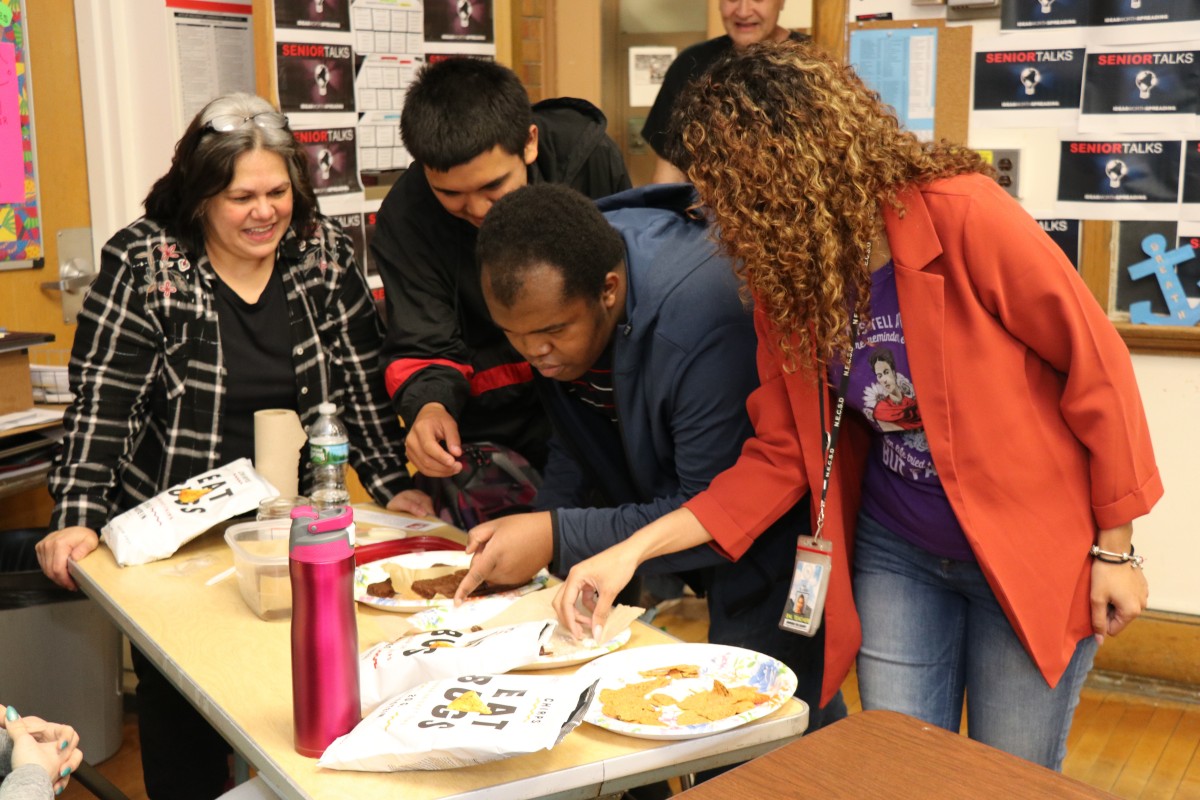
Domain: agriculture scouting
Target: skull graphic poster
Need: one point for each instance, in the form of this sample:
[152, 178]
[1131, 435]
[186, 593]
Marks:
[315, 77]
[330, 15]
[332, 161]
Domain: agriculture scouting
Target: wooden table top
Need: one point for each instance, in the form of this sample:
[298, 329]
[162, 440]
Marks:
[882, 754]
[236, 669]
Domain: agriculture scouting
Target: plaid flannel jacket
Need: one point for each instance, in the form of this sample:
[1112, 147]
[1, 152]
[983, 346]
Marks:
[147, 370]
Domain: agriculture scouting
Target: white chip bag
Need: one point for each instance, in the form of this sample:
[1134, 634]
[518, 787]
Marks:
[158, 527]
[389, 668]
[418, 730]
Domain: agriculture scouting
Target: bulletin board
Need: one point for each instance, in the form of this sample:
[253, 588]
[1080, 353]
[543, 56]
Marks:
[20, 222]
[1105, 244]
[953, 56]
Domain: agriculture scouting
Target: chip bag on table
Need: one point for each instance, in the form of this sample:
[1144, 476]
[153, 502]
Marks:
[161, 525]
[389, 668]
[463, 721]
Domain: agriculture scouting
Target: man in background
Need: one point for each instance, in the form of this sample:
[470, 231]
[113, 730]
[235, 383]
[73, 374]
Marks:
[746, 22]
[450, 372]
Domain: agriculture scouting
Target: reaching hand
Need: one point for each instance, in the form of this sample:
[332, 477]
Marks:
[53, 747]
[423, 445]
[587, 596]
[56, 550]
[507, 550]
[412, 501]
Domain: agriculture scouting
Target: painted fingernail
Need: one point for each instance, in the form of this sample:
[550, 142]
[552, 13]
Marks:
[11, 714]
[64, 745]
[58, 791]
[65, 772]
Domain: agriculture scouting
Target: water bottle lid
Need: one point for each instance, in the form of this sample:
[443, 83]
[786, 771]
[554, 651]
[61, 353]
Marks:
[327, 409]
[320, 536]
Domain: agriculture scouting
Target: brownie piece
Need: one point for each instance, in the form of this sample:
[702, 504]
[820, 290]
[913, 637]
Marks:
[447, 585]
[381, 589]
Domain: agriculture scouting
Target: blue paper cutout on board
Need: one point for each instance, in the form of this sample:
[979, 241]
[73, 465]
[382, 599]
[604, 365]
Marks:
[1162, 264]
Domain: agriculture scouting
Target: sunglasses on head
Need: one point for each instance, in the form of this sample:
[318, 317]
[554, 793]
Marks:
[224, 123]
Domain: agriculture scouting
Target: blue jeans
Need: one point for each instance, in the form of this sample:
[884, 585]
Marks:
[932, 629]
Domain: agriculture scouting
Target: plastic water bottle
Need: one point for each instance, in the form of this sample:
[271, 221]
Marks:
[328, 452]
[325, 691]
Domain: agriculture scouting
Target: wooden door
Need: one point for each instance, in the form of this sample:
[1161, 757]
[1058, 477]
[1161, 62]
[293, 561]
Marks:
[62, 178]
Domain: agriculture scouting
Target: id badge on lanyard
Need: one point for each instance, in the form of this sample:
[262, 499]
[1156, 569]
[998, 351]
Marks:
[805, 605]
[810, 581]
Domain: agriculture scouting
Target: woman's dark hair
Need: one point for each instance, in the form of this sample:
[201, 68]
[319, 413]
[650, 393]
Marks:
[204, 163]
[547, 224]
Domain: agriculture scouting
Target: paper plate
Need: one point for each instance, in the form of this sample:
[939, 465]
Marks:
[374, 572]
[733, 666]
[567, 653]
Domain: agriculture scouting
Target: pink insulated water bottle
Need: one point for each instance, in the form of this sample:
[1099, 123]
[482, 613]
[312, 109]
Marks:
[325, 700]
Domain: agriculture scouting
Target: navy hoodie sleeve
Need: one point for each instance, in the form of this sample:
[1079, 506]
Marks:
[706, 415]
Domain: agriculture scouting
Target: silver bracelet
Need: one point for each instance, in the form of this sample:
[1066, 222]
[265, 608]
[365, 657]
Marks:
[1109, 557]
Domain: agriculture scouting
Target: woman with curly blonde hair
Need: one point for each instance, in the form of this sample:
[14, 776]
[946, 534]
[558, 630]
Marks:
[984, 546]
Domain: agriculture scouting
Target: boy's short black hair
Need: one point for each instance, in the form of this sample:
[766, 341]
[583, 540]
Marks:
[461, 107]
[553, 225]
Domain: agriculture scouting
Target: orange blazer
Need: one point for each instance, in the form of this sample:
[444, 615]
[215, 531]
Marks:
[1030, 407]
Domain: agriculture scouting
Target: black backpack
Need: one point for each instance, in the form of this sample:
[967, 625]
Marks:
[495, 481]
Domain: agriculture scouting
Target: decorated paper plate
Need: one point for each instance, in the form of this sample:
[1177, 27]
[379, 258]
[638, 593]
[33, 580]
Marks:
[374, 572]
[566, 652]
[733, 666]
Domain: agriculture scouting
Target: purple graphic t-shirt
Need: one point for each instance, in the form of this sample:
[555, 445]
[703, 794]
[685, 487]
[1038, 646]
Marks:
[901, 488]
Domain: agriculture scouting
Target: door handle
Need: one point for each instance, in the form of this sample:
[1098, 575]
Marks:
[76, 270]
[71, 283]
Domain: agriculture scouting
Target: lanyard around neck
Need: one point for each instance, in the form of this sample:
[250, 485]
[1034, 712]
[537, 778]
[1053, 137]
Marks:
[829, 437]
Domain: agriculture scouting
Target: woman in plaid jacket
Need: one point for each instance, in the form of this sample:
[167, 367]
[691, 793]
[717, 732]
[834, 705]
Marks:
[233, 294]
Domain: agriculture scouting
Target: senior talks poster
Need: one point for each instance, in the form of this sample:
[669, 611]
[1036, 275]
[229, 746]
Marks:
[1134, 89]
[1119, 179]
[332, 163]
[315, 77]
[1020, 15]
[329, 15]
[1027, 87]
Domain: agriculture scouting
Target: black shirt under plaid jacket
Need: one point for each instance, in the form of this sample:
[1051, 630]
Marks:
[147, 376]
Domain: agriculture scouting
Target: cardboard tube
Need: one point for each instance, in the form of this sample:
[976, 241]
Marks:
[278, 442]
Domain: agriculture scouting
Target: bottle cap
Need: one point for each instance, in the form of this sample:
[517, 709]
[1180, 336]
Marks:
[327, 409]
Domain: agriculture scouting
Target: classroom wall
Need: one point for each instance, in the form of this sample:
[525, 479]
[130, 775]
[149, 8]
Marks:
[1168, 538]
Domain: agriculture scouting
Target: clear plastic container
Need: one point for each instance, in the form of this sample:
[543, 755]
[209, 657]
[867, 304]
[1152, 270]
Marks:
[260, 559]
[279, 507]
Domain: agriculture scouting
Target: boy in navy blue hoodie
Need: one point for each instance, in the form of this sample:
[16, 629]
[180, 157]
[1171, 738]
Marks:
[645, 356]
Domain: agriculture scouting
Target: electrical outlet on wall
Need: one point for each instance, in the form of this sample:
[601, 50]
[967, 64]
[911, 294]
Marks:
[1008, 167]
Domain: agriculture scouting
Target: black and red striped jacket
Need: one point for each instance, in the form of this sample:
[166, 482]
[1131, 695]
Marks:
[441, 344]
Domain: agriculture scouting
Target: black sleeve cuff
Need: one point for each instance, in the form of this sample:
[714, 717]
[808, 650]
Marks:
[555, 567]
